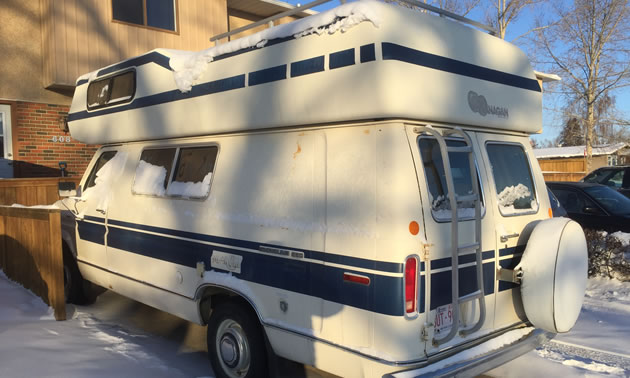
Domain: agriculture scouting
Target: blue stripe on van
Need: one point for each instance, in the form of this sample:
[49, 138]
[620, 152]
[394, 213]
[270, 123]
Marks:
[307, 66]
[392, 51]
[367, 53]
[383, 266]
[317, 280]
[341, 59]
[152, 57]
[384, 295]
[441, 283]
[222, 85]
[267, 75]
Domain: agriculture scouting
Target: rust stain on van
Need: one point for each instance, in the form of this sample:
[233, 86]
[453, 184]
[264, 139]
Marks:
[299, 149]
[366, 131]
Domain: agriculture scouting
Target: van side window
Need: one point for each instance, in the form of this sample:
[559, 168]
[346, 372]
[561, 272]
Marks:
[436, 180]
[113, 90]
[153, 171]
[104, 158]
[512, 178]
[193, 172]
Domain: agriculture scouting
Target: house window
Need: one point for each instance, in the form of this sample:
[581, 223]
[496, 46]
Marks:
[612, 159]
[160, 14]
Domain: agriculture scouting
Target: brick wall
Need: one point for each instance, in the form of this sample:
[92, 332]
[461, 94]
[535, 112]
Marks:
[40, 144]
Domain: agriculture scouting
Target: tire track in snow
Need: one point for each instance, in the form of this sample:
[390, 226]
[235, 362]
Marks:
[615, 362]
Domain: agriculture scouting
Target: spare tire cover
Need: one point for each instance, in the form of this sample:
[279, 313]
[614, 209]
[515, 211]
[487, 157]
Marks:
[555, 268]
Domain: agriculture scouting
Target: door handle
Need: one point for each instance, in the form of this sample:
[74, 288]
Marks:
[505, 238]
[101, 211]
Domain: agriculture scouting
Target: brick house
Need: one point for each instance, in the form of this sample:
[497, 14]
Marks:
[47, 44]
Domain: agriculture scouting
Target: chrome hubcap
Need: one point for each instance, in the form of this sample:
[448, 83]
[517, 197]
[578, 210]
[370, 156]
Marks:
[233, 348]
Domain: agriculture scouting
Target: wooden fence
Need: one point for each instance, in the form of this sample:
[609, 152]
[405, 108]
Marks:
[31, 252]
[563, 169]
[32, 191]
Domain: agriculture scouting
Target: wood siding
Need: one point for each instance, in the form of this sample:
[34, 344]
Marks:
[31, 253]
[79, 36]
[568, 169]
[31, 192]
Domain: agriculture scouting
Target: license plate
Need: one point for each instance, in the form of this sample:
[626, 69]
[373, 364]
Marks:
[443, 318]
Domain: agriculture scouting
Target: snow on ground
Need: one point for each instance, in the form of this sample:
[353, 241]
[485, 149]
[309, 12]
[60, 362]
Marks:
[598, 345]
[33, 344]
[114, 338]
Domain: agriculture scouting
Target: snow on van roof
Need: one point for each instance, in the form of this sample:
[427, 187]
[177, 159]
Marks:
[572, 151]
[188, 66]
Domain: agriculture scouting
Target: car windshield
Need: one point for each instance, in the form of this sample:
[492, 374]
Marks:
[610, 199]
[599, 175]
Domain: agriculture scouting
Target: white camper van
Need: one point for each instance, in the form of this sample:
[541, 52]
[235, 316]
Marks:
[354, 191]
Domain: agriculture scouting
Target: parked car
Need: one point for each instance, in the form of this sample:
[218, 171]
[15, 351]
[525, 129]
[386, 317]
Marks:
[556, 207]
[615, 177]
[593, 205]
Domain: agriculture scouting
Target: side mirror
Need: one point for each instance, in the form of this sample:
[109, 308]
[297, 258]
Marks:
[68, 189]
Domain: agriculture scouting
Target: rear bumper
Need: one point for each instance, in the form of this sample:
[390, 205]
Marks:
[471, 367]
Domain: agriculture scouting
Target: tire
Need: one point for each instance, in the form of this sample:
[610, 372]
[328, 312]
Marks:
[236, 344]
[76, 290]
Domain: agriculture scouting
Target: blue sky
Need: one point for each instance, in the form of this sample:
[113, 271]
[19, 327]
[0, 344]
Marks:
[552, 105]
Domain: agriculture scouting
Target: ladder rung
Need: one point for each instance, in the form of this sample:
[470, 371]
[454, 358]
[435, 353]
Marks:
[466, 149]
[470, 297]
[471, 197]
[468, 247]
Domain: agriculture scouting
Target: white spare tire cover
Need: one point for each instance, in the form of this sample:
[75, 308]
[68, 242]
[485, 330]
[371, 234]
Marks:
[554, 265]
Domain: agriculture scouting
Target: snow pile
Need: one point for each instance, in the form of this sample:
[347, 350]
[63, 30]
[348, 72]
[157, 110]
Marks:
[190, 189]
[484, 348]
[149, 179]
[623, 237]
[47, 207]
[510, 194]
[106, 179]
[608, 289]
[188, 66]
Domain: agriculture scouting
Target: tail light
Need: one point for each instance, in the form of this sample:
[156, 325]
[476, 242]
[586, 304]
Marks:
[411, 277]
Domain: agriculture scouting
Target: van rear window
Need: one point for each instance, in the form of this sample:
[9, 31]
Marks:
[512, 179]
[436, 179]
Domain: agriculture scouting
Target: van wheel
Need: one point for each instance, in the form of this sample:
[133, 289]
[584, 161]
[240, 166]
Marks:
[236, 345]
[75, 289]
[72, 280]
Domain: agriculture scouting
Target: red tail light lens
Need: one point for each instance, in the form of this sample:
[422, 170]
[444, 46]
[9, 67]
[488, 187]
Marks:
[411, 276]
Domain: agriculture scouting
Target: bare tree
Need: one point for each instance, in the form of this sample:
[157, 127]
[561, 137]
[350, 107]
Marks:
[460, 7]
[589, 48]
[503, 12]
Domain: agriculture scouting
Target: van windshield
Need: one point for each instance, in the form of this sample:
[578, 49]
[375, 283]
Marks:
[436, 178]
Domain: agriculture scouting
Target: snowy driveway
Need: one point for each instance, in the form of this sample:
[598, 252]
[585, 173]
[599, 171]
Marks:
[122, 338]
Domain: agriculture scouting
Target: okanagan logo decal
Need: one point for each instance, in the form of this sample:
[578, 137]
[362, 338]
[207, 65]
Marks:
[478, 104]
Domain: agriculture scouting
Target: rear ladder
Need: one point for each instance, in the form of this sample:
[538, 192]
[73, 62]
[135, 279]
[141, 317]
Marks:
[456, 248]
